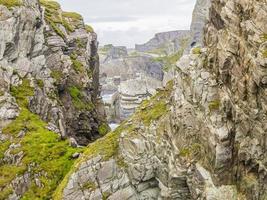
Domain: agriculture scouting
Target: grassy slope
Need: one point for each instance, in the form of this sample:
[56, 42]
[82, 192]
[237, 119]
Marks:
[48, 156]
[108, 146]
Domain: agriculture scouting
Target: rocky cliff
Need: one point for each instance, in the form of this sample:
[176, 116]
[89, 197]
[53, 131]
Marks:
[110, 52]
[199, 19]
[204, 135]
[165, 43]
[49, 90]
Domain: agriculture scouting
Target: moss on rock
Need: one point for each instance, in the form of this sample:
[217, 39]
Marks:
[103, 129]
[89, 186]
[77, 65]
[108, 146]
[11, 3]
[53, 16]
[196, 50]
[214, 105]
[264, 53]
[72, 15]
[44, 151]
[79, 100]
[157, 106]
[89, 28]
[40, 83]
[22, 92]
[57, 75]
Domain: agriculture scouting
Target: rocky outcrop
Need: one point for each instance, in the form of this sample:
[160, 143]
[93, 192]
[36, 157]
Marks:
[49, 90]
[199, 19]
[165, 43]
[110, 52]
[130, 66]
[203, 138]
[58, 61]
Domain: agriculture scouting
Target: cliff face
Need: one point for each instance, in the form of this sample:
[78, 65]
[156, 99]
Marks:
[199, 19]
[49, 79]
[110, 52]
[164, 43]
[54, 52]
[203, 137]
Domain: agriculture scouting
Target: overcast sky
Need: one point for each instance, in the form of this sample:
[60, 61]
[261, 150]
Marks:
[130, 22]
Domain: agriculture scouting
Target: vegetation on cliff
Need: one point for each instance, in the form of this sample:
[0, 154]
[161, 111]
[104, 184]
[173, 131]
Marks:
[79, 100]
[45, 157]
[11, 3]
[108, 146]
[169, 61]
[56, 18]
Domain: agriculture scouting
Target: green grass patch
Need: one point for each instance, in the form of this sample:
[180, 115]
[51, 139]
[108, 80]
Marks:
[169, 62]
[5, 193]
[40, 83]
[264, 37]
[53, 16]
[214, 105]
[22, 92]
[50, 155]
[106, 195]
[56, 28]
[3, 147]
[108, 146]
[89, 28]
[157, 106]
[77, 65]
[67, 25]
[191, 152]
[11, 3]
[72, 15]
[78, 99]
[196, 50]
[57, 75]
[9, 172]
[159, 51]
[103, 129]
[52, 5]
[264, 53]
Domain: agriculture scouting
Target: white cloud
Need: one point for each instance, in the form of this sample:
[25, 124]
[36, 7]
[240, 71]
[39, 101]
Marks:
[127, 22]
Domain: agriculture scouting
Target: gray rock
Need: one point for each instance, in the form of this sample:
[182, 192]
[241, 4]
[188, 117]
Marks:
[168, 42]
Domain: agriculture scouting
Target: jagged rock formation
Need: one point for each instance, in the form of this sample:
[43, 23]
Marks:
[52, 57]
[165, 43]
[49, 89]
[199, 19]
[203, 138]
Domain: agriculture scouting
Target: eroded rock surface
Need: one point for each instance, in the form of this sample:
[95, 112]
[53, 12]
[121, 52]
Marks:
[49, 80]
[203, 138]
[165, 43]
